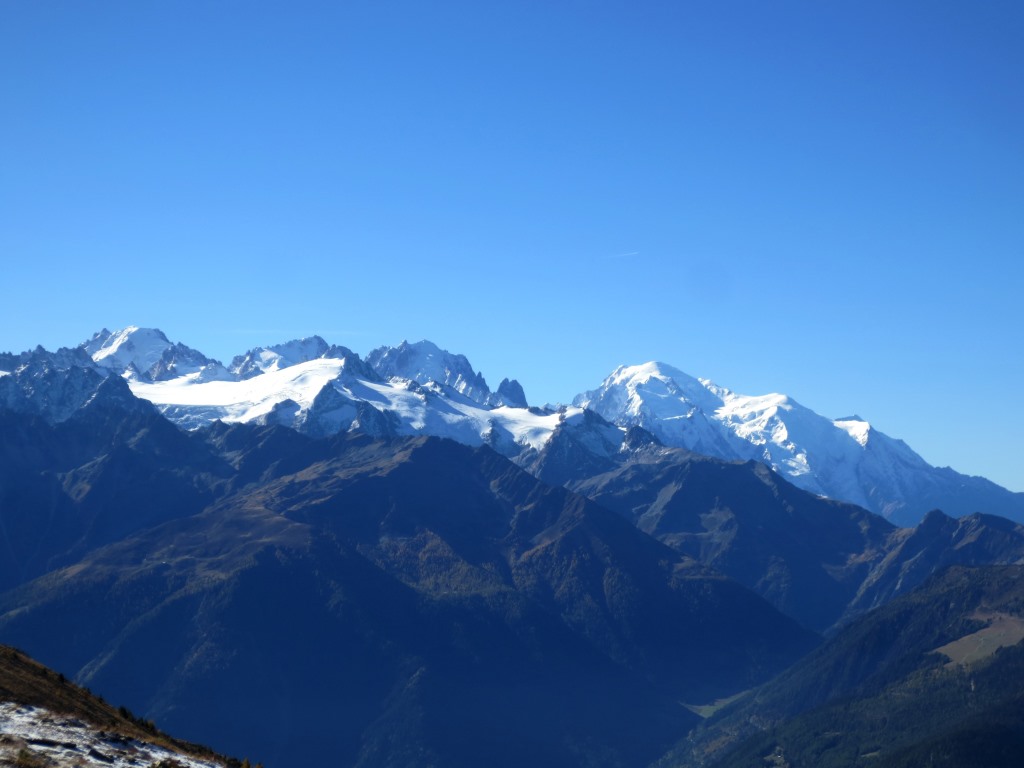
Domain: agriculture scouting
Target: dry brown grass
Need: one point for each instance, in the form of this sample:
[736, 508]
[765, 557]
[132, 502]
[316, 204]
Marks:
[1003, 630]
[27, 682]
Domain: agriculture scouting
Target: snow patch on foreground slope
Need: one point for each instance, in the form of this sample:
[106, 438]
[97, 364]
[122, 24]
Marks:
[68, 741]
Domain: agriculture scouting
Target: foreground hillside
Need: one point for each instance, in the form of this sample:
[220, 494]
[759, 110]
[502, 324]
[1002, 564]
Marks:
[46, 720]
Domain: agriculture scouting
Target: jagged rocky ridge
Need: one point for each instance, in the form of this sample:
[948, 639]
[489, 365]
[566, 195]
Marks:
[821, 561]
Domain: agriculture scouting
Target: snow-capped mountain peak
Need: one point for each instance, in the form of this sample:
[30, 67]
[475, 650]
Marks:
[147, 354]
[274, 358]
[425, 362]
[843, 458]
[670, 404]
[643, 385]
[141, 347]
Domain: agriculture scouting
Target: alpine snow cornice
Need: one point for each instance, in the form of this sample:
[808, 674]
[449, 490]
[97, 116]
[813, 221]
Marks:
[419, 388]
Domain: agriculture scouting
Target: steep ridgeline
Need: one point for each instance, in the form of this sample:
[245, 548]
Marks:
[146, 354]
[420, 389]
[423, 362]
[113, 468]
[817, 560]
[845, 459]
[350, 601]
[931, 679]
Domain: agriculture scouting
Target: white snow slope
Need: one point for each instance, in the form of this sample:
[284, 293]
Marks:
[322, 390]
[140, 347]
[843, 459]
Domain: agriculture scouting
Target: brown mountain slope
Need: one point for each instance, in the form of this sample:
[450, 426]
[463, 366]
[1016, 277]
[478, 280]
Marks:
[414, 602]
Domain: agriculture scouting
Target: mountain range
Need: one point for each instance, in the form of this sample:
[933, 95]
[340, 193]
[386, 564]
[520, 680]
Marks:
[319, 559]
[418, 388]
[353, 601]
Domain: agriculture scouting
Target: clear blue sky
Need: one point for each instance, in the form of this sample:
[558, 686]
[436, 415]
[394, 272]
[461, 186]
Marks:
[820, 198]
